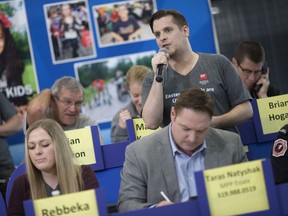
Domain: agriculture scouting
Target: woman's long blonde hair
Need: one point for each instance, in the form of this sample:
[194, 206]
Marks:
[68, 172]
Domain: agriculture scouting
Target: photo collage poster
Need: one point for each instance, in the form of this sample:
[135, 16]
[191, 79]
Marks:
[67, 34]
[67, 21]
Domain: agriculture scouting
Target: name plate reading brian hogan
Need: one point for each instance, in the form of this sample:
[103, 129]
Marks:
[273, 113]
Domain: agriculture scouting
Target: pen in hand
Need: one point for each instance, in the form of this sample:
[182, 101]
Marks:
[165, 197]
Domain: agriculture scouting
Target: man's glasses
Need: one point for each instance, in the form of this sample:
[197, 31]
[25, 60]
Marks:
[249, 72]
[69, 103]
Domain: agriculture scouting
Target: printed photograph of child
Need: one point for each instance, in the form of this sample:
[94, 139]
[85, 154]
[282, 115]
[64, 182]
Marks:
[123, 22]
[68, 27]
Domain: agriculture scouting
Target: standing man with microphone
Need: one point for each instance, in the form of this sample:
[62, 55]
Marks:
[183, 69]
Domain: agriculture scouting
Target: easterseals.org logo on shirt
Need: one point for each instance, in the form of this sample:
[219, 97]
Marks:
[203, 79]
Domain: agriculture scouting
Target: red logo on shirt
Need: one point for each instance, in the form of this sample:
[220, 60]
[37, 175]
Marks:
[203, 76]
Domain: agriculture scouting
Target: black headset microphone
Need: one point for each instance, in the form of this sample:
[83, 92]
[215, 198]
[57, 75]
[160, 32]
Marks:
[160, 67]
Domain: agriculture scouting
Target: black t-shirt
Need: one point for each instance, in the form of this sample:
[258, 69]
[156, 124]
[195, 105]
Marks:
[279, 156]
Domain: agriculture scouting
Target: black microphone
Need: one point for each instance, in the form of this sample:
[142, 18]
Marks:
[160, 67]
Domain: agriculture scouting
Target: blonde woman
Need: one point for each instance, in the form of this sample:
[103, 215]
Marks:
[134, 78]
[50, 167]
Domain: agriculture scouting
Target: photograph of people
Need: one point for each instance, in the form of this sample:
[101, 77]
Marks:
[17, 77]
[104, 81]
[68, 27]
[124, 22]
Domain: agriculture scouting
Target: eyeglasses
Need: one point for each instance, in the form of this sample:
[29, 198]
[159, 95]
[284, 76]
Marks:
[249, 72]
[69, 103]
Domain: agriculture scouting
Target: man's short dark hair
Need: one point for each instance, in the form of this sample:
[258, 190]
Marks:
[195, 99]
[178, 18]
[252, 50]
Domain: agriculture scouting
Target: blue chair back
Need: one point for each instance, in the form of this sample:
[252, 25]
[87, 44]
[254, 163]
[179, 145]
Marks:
[3, 208]
[21, 169]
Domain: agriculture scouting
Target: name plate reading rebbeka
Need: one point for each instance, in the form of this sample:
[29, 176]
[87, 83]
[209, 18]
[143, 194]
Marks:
[81, 142]
[80, 204]
[236, 189]
[140, 128]
[273, 113]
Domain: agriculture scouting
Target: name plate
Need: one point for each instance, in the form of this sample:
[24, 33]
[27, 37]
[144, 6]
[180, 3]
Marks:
[81, 203]
[273, 113]
[236, 189]
[140, 128]
[81, 142]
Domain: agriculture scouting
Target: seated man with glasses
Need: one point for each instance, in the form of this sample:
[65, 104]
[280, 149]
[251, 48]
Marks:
[62, 103]
[249, 60]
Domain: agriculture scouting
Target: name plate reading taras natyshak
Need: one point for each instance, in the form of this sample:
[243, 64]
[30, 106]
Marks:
[273, 113]
[81, 142]
[236, 189]
[81, 204]
[140, 128]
